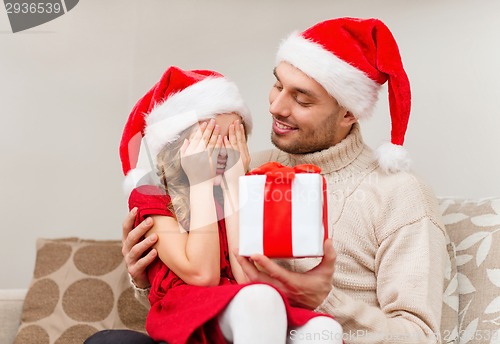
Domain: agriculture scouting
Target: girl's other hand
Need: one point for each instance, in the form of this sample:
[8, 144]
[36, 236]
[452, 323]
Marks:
[238, 157]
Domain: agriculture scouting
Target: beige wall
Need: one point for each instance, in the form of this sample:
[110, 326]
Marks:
[67, 87]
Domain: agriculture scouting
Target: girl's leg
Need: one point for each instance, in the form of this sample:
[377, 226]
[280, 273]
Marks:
[318, 330]
[255, 315]
[119, 337]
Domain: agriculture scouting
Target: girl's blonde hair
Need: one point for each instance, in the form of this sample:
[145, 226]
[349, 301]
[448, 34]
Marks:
[173, 178]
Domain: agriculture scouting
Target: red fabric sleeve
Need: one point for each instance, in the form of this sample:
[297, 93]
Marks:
[149, 200]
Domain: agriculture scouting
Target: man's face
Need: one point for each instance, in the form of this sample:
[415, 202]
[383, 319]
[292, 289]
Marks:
[305, 116]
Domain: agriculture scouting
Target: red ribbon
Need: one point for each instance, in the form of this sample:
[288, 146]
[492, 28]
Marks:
[277, 241]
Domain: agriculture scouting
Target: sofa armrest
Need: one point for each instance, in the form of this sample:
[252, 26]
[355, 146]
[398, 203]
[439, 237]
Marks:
[11, 306]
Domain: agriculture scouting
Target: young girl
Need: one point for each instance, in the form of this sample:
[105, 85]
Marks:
[195, 125]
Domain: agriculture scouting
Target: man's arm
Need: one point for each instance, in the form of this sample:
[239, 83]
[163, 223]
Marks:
[410, 272]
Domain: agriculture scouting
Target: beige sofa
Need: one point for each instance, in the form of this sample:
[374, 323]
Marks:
[81, 286]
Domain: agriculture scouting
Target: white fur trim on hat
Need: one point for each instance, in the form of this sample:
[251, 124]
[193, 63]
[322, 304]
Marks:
[393, 158]
[167, 130]
[142, 174]
[137, 177]
[351, 87]
[202, 100]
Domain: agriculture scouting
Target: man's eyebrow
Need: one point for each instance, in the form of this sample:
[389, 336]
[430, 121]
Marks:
[305, 92]
[275, 74]
[297, 89]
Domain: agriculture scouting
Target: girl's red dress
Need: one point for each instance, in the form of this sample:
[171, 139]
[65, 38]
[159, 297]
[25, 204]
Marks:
[182, 313]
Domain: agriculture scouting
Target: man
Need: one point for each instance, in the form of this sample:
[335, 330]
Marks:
[383, 282]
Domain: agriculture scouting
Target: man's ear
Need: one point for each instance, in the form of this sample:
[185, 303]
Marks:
[348, 119]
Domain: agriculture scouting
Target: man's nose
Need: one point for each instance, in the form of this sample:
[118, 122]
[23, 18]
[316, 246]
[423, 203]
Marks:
[280, 105]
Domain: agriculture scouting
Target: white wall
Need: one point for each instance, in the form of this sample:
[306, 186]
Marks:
[66, 89]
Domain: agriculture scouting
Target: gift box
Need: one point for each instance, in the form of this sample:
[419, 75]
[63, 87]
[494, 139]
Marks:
[283, 211]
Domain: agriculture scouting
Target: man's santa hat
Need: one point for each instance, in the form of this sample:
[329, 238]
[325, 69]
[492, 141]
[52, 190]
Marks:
[352, 58]
[179, 100]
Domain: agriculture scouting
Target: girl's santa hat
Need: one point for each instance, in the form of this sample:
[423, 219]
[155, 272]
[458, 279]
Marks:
[352, 58]
[179, 100]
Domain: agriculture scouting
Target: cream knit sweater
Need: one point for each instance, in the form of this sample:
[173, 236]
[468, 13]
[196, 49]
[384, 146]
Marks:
[388, 280]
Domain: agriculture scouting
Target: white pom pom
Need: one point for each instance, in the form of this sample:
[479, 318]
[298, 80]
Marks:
[393, 158]
[135, 178]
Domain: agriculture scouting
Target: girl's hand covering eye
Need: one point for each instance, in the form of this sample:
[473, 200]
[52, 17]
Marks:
[199, 153]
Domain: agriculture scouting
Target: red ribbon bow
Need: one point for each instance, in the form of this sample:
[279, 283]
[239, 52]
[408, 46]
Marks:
[275, 168]
[278, 206]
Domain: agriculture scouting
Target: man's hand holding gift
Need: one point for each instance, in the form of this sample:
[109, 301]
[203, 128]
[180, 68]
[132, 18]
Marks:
[307, 290]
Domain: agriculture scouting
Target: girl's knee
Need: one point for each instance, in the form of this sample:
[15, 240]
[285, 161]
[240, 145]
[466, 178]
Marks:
[256, 314]
[260, 296]
[323, 322]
